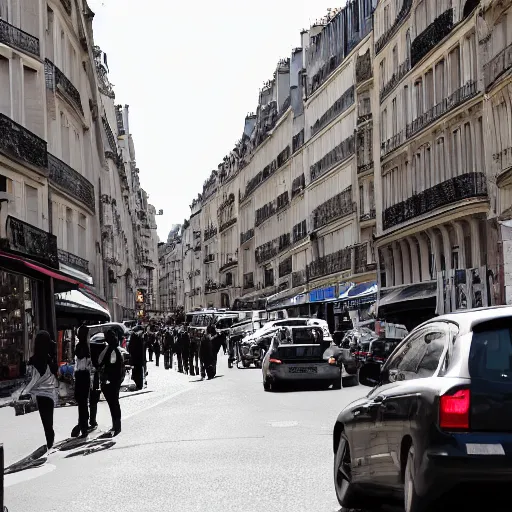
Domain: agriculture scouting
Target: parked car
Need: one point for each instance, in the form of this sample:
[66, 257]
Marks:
[437, 423]
[123, 333]
[298, 353]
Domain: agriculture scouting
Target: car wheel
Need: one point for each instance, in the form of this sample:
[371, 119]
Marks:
[411, 499]
[343, 476]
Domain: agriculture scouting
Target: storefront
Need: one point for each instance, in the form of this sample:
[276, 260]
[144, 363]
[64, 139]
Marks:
[293, 301]
[321, 304]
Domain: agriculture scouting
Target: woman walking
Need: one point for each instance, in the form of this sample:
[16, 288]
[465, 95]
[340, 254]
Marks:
[83, 368]
[42, 369]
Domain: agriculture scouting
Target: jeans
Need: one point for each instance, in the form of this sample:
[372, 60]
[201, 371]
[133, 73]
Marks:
[111, 393]
[46, 406]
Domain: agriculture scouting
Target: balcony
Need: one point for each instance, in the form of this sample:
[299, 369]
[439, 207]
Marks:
[229, 264]
[364, 69]
[285, 267]
[17, 38]
[72, 182]
[227, 224]
[55, 78]
[32, 242]
[371, 215]
[338, 261]
[460, 96]
[395, 79]
[361, 258]
[209, 258]
[209, 232]
[431, 36]
[298, 141]
[497, 66]
[391, 144]
[272, 248]
[341, 152]
[74, 261]
[17, 141]
[386, 37]
[246, 236]
[334, 208]
[361, 169]
[110, 137]
[298, 185]
[466, 186]
[299, 278]
[340, 105]
[141, 281]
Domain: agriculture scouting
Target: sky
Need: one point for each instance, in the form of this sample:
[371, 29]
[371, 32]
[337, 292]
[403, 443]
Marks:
[190, 74]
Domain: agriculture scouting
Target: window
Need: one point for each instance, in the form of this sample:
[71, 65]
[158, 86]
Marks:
[384, 121]
[429, 89]
[4, 9]
[69, 230]
[269, 277]
[371, 193]
[229, 279]
[408, 45]
[5, 87]
[418, 96]
[455, 74]
[468, 147]
[456, 151]
[406, 105]
[421, 17]
[82, 231]
[387, 22]
[419, 356]
[395, 59]
[32, 206]
[361, 200]
[382, 73]
[394, 118]
[440, 92]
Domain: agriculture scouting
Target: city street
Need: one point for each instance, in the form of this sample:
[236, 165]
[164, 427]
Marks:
[220, 445]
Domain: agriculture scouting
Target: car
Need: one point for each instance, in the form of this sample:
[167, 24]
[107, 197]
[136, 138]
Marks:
[123, 333]
[437, 423]
[298, 353]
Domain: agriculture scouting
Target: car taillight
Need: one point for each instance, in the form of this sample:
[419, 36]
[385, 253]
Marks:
[275, 361]
[454, 410]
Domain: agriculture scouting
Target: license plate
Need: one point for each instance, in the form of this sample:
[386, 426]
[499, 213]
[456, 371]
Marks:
[302, 369]
[484, 449]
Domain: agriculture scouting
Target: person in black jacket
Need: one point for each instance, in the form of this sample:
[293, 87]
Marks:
[156, 349]
[83, 367]
[168, 348]
[193, 354]
[112, 375]
[219, 340]
[185, 348]
[137, 358]
[206, 354]
[94, 397]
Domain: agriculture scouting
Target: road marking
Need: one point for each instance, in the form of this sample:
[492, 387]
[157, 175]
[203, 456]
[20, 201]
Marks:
[283, 424]
[27, 474]
[156, 404]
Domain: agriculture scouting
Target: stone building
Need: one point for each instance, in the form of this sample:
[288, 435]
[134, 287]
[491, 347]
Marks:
[66, 185]
[364, 174]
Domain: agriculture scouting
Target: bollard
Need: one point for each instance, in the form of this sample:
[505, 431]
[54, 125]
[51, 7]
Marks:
[1, 477]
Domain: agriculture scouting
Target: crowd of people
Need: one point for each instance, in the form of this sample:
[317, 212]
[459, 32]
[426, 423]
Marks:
[188, 354]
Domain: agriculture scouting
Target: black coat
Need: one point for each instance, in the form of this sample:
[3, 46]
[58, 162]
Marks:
[136, 350]
[206, 350]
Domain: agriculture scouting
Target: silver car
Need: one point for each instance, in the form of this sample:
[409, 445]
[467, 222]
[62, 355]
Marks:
[299, 354]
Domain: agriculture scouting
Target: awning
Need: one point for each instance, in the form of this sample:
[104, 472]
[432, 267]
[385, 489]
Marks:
[324, 294]
[74, 273]
[76, 305]
[20, 265]
[363, 293]
[287, 298]
[91, 293]
[344, 290]
[404, 296]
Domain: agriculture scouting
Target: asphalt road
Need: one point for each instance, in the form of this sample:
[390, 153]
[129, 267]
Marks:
[220, 445]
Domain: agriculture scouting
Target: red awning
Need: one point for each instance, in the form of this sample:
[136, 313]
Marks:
[92, 295]
[72, 284]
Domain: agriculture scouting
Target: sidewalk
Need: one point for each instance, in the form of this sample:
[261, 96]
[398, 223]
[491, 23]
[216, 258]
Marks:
[21, 435]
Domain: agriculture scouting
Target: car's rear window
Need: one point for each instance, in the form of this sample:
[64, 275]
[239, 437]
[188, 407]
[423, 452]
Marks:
[490, 356]
[306, 336]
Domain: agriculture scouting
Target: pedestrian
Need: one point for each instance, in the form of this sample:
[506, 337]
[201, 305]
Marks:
[42, 370]
[137, 357]
[168, 348]
[185, 348]
[206, 354]
[149, 344]
[156, 350]
[94, 398]
[193, 354]
[112, 375]
[218, 341]
[83, 367]
[178, 350]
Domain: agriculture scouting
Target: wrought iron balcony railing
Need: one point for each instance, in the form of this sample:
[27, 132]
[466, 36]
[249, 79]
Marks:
[55, 77]
[364, 69]
[361, 257]
[386, 37]
[209, 232]
[341, 152]
[497, 66]
[110, 136]
[72, 260]
[299, 278]
[228, 264]
[362, 168]
[431, 36]
[330, 264]
[17, 141]
[368, 216]
[465, 186]
[246, 236]
[271, 208]
[339, 106]
[454, 100]
[334, 208]
[298, 185]
[325, 72]
[391, 144]
[32, 242]
[300, 231]
[71, 182]
[395, 79]
[298, 141]
[227, 224]
[17, 38]
[272, 248]
[285, 267]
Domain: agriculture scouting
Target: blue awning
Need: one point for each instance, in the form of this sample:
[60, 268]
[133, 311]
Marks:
[344, 290]
[364, 293]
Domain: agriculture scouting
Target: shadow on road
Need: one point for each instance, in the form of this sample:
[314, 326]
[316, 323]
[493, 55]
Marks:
[135, 393]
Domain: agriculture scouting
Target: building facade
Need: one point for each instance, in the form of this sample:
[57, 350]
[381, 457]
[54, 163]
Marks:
[67, 178]
[365, 175]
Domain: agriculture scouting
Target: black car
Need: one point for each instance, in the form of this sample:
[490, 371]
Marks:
[437, 424]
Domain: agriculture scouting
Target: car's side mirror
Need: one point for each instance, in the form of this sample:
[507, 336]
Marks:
[369, 374]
